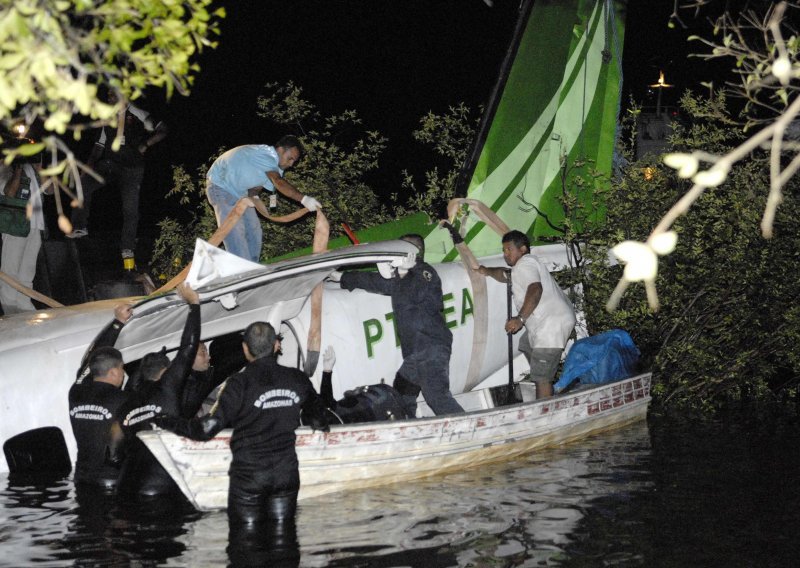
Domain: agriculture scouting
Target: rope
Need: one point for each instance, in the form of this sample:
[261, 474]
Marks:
[481, 210]
[480, 298]
[227, 226]
[22, 289]
[321, 236]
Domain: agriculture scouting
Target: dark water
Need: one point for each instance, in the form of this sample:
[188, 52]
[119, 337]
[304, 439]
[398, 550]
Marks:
[672, 494]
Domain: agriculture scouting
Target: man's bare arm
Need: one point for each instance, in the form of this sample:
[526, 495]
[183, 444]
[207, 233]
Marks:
[284, 187]
[532, 297]
[498, 273]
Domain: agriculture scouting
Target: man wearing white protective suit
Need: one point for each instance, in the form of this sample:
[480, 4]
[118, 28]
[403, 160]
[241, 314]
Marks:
[425, 340]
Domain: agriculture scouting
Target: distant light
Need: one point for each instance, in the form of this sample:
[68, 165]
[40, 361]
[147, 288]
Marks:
[20, 129]
[661, 84]
[649, 173]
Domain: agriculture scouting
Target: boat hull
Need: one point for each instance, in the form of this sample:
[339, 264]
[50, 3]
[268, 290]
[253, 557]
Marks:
[356, 456]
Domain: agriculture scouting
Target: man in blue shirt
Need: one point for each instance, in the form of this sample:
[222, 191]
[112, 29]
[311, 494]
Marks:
[245, 171]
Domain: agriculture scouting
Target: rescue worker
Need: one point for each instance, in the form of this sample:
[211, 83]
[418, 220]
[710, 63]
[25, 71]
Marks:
[543, 310]
[204, 383]
[262, 404]
[425, 339]
[245, 171]
[199, 383]
[158, 390]
[94, 404]
[368, 403]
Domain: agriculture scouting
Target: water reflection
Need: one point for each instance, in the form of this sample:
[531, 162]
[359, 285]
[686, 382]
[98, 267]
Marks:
[518, 513]
[264, 544]
[32, 517]
[53, 523]
[687, 496]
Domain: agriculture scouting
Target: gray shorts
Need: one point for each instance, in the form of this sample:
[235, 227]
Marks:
[544, 361]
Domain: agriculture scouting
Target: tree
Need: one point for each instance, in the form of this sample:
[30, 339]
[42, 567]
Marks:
[340, 153]
[451, 135]
[769, 71]
[728, 321]
[57, 55]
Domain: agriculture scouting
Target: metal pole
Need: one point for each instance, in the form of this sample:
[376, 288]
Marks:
[511, 396]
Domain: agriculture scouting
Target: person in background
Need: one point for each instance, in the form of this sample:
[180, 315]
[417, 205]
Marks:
[245, 171]
[19, 255]
[425, 340]
[199, 384]
[368, 403]
[262, 404]
[94, 404]
[123, 169]
[542, 309]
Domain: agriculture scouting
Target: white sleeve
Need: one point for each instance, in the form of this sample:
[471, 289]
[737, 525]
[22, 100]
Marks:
[142, 115]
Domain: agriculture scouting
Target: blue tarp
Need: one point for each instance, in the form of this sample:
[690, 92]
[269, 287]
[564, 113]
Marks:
[602, 358]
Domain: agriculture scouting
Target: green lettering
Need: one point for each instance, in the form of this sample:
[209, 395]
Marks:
[373, 332]
[448, 310]
[467, 306]
[390, 317]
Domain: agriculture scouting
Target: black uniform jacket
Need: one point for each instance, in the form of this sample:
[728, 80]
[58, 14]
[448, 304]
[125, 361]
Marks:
[93, 412]
[417, 305]
[262, 404]
[141, 472]
[165, 396]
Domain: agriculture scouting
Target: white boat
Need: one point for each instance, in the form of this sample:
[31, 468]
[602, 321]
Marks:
[380, 453]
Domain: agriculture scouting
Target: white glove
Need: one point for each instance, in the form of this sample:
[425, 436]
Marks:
[334, 276]
[385, 269]
[407, 262]
[328, 359]
[310, 203]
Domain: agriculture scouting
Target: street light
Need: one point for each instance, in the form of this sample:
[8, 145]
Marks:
[660, 86]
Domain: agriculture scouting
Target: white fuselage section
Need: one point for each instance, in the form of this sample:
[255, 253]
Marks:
[40, 352]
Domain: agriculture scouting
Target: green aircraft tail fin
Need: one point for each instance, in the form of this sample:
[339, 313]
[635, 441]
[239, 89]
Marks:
[556, 101]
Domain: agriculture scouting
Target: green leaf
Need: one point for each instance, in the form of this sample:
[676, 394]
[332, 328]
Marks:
[30, 149]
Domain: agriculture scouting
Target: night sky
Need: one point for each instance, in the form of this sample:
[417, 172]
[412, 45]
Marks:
[391, 61]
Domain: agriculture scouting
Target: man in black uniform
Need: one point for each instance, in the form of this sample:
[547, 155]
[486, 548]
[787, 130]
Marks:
[425, 339]
[94, 403]
[199, 384]
[369, 403]
[262, 404]
[158, 390]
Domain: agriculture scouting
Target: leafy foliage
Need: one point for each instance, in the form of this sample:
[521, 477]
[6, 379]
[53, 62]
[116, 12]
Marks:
[729, 320]
[54, 54]
[339, 154]
[451, 136]
[764, 47]
[57, 55]
[174, 246]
